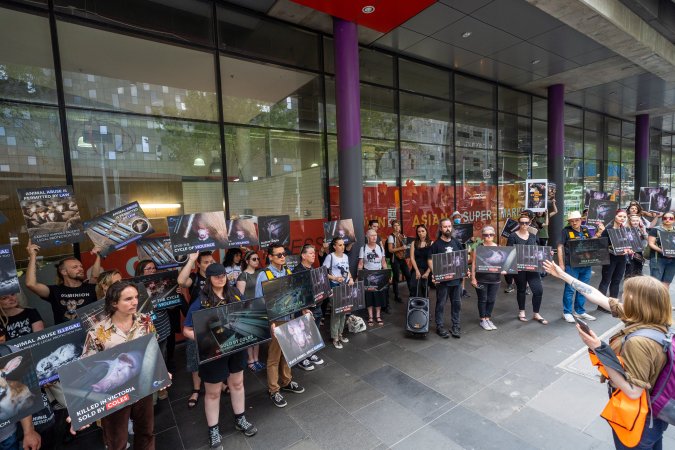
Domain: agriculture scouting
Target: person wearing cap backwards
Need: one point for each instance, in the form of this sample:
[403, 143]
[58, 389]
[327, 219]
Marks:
[574, 230]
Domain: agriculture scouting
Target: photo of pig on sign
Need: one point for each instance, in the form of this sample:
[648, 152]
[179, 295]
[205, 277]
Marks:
[98, 385]
[21, 395]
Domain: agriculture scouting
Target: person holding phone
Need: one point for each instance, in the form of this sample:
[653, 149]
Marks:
[646, 304]
[486, 284]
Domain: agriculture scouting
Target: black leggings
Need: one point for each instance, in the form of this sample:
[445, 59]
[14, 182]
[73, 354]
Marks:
[534, 280]
[612, 274]
[400, 266]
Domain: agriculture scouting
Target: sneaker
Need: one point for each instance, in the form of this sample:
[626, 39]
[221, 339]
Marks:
[442, 332]
[528, 291]
[585, 316]
[306, 364]
[455, 332]
[465, 293]
[509, 289]
[293, 387]
[215, 439]
[343, 339]
[243, 425]
[568, 318]
[484, 324]
[337, 344]
[492, 325]
[315, 359]
[278, 400]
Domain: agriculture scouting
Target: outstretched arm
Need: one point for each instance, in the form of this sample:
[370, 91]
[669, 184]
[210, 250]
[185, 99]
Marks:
[589, 292]
[42, 290]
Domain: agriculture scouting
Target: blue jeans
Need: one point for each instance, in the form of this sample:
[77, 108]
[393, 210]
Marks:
[662, 268]
[582, 274]
[652, 438]
[11, 443]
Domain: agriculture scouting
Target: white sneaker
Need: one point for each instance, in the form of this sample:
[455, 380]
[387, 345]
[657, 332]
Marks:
[569, 318]
[492, 325]
[315, 359]
[306, 364]
[485, 325]
[585, 316]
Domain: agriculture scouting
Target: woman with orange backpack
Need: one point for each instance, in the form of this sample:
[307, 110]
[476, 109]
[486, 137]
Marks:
[632, 361]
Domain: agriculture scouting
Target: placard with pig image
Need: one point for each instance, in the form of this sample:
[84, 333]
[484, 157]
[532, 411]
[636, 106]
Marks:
[19, 391]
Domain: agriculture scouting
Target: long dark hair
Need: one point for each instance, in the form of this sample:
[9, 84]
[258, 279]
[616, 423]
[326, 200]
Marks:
[112, 296]
[246, 258]
[229, 256]
[418, 241]
[209, 298]
[140, 267]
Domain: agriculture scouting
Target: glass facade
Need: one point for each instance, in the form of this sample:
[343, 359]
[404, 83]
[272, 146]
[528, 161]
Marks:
[205, 107]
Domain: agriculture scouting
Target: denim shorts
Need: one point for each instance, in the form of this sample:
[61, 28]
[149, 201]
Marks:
[662, 268]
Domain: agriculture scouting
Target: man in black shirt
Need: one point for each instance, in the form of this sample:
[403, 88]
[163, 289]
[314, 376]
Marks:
[72, 290]
[444, 289]
[195, 281]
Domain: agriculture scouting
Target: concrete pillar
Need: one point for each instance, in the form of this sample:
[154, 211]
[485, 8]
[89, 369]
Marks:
[556, 156]
[348, 106]
[641, 152]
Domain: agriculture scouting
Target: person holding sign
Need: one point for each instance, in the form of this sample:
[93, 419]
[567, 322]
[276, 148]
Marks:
[419, 250]
[228, 369]
[337, 264]
[446, 289]
[371, 257]
[636, 262]
[486, 284]
[661, 267]
[122, 323]
[396, 243]
[612, 273]
[574, 230]
[522, 236]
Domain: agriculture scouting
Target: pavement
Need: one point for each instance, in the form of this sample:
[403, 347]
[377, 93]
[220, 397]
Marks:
[523, 386]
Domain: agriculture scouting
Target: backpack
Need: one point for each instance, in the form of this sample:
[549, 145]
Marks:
[662, 396]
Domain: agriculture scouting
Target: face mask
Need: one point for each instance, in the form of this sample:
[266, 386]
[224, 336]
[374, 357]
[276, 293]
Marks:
[457, 220]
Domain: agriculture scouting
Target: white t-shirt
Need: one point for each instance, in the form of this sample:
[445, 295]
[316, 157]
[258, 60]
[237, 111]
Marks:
[338, 266]
[372, 257]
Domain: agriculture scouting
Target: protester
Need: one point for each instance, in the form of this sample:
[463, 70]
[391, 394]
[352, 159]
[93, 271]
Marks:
[105, 280]
[540, 222]
[635, 208]
[396, 243]
[232, 265]
[308, 257]
[227, 369]
[661, 267]
[456, 220]
[16, 320]
[374, 224]
[637, 259]
[486, 284]
[574, 230]
[337, 263]
[446, 289]
[279, 377]
[123, 323]
[419, 249]
[646, 307]
[71, 290]
[371, 257]
[613, 273]
[246, 285]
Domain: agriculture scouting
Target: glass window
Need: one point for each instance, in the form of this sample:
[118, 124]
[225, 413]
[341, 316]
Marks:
[514, 102]
[592, 145]
[539, 166]
[189, 19]
[111, 71]
[574, 116]
[627, 151]
[539, 137]
[268, 39]
[378, 115]
[592, 174]
[513, 171]
[573, 189]
[26, 62]
[514, 133]
[374, 67]
[573, 142]
[628, 130]
[612, 177]
[270, 96]
[613, 148]
[475, 127]
[476, 186]
[627, 183]
[593, 121]
[665, 172]
[424, 79]
[31, 156]
[475, 92]
[425, 119]
[613, 126]
[540, 108]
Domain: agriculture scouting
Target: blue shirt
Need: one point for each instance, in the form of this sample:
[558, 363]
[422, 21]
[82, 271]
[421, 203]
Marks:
[262, 276]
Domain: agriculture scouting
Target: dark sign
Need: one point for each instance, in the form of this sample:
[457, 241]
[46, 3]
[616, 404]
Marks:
[667, 239]
[463, 232]
[602, 211]
[339, 229]
[292, 261]
[117, 228]
[197, 232]
[159, 250]
[495, 259]
[621, 239]
[274, 230]
[299, 339]
[288, 294]
[161, 288]
[241, 233]
[375, 280]
[21, 395]
[530, 258]
[348, 298]
[227, 329]
[588, 252]
[450, 266]
[320, 284]
[510, 226]
[590, 194]
[660, 203]
[9, 281]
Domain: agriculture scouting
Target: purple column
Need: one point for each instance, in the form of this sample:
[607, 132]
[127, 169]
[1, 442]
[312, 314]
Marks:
[556, 155]
[641, 152]
[348, 106]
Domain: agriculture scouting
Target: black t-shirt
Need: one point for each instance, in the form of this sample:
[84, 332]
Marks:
[654, 232]
[198, 283]
[300, 268]
[569, 234]
[441, 246]
[65, 300]
[21, 324]
[514, 239]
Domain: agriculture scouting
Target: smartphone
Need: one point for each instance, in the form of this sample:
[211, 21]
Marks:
[583, 325]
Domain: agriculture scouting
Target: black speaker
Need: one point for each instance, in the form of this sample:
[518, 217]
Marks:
[417, 318]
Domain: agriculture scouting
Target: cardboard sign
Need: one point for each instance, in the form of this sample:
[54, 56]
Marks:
[161, 288]
[274, 230]
[660, 203]
[299, 339]
[230, 328]
[159, 250]
[621, 239]
[339, 228]
[288, 294]
[450, 266]
[197, 232]
[530, 258]
[242, 233]
[667, 239]
[9, 281]
[103, 383]
[53, 347]
[21, 395]
[602, 211]
[510, 226]
[348, 298]
[52, 215]
[495, 259]
[463, 232]
[588, 252]
[320, 284]
[536, 199]
[117, 228]
[375, 280]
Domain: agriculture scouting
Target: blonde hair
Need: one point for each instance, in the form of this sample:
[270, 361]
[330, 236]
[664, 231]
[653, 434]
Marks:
[20, 302]
[105, 280]
[646, 301]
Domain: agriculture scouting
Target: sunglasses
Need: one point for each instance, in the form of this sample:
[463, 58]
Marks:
[254, 259]
[488, 234]
[280, 255]
[668, 218]
[524, 223]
